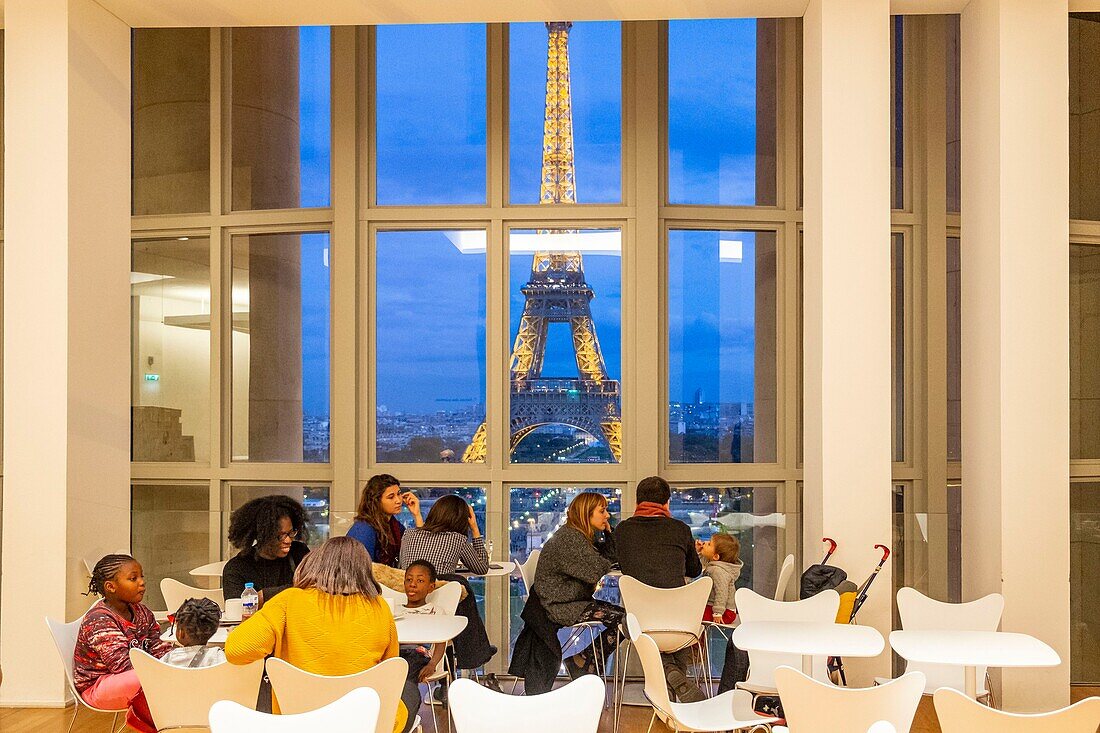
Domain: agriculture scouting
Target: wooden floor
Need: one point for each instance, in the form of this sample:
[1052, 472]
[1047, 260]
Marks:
[635, 720]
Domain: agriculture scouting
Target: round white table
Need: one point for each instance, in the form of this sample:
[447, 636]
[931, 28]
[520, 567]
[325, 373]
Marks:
[496, 570]
[809, 640]
[973, 649]
[415, 628]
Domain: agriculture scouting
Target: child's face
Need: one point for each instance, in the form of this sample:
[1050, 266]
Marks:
[128, 585]
[418, 584]
[707, 550]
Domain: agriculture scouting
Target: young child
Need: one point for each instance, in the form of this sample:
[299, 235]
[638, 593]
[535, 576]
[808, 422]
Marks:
[722, 564]
[196, 621]
[101, 661]
[420, 580]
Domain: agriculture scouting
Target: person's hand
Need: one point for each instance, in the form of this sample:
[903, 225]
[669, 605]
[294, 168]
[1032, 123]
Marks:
[718, 617]
[412, 501]
[472, 519]
[261, 603]
[698, 545]
[426, 672]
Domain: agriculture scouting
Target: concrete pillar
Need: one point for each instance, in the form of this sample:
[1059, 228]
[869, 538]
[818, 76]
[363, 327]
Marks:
[846, 338]
[1015, 326]
[67, 329]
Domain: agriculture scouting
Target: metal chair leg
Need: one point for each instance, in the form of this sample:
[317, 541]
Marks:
[651, 720]
[76, 711]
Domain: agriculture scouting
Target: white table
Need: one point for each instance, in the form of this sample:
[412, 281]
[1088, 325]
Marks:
[973, 649]
[506, 568]
[218, 639]
[424, 629]
[809, 640]
[210, 570]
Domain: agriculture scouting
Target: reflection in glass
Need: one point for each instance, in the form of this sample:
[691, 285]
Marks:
[722, 369]
[281, 117]
[595, 66]
[1084, 350]
[898, 336]
[172, 530]
[429, 344]
[280, 320]
[315, 499]
[430, 114]
[1084, 117]
[566, 302]
[1084, 543]
[171, 120]
[170, 373]
[722, 92]
[954, 351]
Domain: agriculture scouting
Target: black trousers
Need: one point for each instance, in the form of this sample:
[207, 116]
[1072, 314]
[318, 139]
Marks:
[472, 647]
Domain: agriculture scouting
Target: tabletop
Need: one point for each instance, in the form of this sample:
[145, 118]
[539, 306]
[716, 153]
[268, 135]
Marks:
[816, 639]
[496, 570]
[973, 648]
[424, 629]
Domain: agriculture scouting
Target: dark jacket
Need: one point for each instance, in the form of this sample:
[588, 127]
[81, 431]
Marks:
[537, 655]
[659, 551]
[567, 572]
[269, 576]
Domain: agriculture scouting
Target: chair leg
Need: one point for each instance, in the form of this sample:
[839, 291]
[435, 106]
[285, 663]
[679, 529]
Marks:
[651, 719]
[76, 711]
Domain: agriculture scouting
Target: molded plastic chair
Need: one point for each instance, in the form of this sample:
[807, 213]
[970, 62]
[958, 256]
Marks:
[812, 706]
[64, 638]
[751, 606]
[731, 710]
[575, 708]
[959, 714]
[918, 612]
[785, 574]
[209, 570]
[445, 597]
[175, 593]
[355, 712]
[527, 569]
[180, 697]
[673, 617]
[299, 691]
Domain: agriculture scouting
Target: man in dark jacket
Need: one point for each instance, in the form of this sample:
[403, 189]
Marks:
[660, 551]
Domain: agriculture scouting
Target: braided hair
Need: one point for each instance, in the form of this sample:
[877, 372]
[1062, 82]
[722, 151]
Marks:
[198, 618]
[257, 522]
[106, 569]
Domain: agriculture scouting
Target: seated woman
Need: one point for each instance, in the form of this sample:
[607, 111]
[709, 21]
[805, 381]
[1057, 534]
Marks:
[271, 533]
[333, 621]
[444, 541]
[102, 671]
[376, 524]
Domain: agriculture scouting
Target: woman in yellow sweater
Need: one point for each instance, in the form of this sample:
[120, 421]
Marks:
[333, 621]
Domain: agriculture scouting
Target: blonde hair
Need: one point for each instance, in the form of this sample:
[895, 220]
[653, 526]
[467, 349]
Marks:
[339, 567]
[727, 547]
[580, 511]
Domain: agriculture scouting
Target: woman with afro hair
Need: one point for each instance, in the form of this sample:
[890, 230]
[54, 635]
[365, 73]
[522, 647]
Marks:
[271, 534]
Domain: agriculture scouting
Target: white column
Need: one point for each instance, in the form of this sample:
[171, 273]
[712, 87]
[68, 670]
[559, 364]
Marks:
[1015, 329]
[66, 322]
[846, 278]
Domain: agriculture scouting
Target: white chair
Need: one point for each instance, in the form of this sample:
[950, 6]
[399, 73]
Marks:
[785, 574]
[298, 691]
[673, 617]
[180, 697]
[918, 612]
[64, 638]
[209, 570]
[959, 714]
[811, 706]
[353, 713]
[575, 708]
[751, 606]
[175, 593]
[731, 710]
[527, 569]
[446, 597]
[880, 727]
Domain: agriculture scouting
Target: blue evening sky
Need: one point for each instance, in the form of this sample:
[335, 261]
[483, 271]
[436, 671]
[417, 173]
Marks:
[431, 149]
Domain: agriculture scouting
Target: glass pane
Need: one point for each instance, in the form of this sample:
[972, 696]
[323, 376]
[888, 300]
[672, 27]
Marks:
[280, 404]
[566, 318]
[172, 530]
[954, 351]
[314, 498]
[1084, 542]
[171, 110]
[430, 105]
[897, 335]
[954, 120]
[1084, 350]
[591, 106]
[281, 117]
[1084, 116]
[722, 93]
[897, 112]
[430, 346]
[170, 373]
[721, 341]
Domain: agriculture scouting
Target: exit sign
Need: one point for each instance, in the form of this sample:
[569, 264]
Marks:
[152, 377]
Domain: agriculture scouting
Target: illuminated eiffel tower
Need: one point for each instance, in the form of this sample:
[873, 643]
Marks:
[557, 293]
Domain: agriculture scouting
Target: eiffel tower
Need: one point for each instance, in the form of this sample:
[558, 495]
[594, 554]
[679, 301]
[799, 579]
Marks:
[557, 293]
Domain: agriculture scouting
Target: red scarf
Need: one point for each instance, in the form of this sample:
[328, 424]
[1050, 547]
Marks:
[652, 509]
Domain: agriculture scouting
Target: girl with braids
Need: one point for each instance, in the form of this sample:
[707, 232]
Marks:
[196, 621]
[101, 661]
[271, 534]
[376, 524]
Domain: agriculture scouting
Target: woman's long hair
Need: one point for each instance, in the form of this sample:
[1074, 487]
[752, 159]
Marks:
[449, 513]
[370, 508]
[339, 567]
[581, 508]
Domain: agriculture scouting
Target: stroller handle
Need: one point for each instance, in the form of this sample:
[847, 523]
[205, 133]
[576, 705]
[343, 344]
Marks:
[885, 551]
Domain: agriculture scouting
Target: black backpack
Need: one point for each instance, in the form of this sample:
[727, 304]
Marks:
[820, 577]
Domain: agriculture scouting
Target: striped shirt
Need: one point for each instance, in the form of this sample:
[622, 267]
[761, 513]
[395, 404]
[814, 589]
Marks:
[444, 550]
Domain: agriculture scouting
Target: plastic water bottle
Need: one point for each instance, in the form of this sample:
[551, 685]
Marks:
[250, 601]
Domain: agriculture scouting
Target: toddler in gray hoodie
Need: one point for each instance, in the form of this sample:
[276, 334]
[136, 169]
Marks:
[722, 564]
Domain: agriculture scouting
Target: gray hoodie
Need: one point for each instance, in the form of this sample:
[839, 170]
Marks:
[724, 575]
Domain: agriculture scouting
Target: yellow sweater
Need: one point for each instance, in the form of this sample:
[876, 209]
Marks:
[320, 633]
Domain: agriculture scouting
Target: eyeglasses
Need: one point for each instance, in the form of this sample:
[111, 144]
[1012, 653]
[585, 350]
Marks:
[292, 535]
